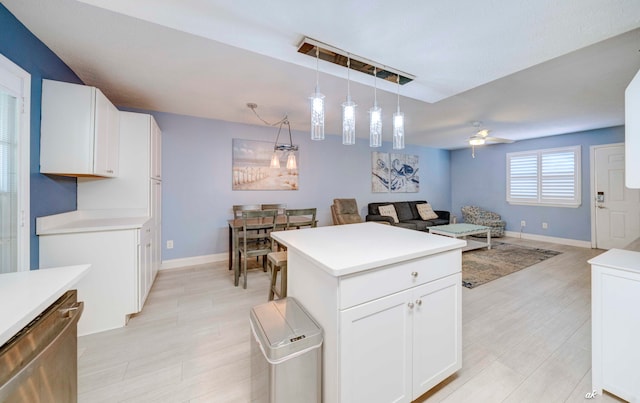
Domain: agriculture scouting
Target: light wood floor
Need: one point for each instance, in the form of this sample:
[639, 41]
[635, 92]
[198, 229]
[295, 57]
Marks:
[526, 338]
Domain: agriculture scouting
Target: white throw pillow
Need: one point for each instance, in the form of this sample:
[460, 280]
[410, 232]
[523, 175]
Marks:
[390, 211]
[426, 211]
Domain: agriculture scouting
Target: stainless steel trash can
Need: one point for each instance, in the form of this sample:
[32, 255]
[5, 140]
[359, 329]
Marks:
[286, 353]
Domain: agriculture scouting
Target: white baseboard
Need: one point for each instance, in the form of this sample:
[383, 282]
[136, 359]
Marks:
[544, 238]
[193, 261]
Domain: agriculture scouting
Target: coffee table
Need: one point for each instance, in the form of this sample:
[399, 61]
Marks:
[461, 231]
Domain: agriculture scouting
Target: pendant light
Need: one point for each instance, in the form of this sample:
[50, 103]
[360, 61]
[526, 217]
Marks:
[375, 117]
[348, 113]
[290, 149]
[398, 124]
[317, 106]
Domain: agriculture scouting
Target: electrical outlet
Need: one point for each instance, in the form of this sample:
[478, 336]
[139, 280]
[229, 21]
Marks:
[169, 244]
[545, 225]
[523, 223]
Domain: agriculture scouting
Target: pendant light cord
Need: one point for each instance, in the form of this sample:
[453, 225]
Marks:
[375, 87]
[317, 69]
[398, 81]
[348, 78]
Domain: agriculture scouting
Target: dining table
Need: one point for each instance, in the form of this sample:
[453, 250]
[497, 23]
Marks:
[235, 226]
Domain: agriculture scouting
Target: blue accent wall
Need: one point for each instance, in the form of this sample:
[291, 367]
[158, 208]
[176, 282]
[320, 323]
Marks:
[49, 194]
[197, 197]
[481, 181]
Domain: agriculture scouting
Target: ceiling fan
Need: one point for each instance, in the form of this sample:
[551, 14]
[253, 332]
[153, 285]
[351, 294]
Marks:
[482, 137]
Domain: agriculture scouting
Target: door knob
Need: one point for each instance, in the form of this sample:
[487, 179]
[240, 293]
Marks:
[410, 305]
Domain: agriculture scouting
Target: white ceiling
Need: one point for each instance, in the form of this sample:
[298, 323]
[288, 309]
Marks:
[524, 68]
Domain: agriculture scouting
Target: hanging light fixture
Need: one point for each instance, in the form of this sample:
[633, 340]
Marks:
[375, 117]
[348, 113]
[398, 124]
[317, 105]
[288, 148]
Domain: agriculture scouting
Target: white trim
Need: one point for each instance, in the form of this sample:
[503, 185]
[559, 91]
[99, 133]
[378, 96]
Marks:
[193, 261]
[544, 238]
[18, 81]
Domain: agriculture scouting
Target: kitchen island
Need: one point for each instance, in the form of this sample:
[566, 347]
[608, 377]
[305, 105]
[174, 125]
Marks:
[389, 302]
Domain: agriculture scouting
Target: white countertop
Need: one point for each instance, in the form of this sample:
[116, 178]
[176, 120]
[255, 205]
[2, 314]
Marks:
[91, 221]
[24, 295]
[618, 259]
[347, 249]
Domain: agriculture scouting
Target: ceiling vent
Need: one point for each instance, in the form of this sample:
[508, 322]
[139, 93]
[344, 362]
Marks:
[337, 56]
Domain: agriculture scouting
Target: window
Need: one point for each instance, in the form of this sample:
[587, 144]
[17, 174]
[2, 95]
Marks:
[15, 86]
[544, 177]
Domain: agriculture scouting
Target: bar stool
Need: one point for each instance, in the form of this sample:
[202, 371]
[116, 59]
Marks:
[277, 262]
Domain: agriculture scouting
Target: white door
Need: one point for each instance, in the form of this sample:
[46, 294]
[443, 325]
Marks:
[617, 208]
[375, 351]
[15, 89]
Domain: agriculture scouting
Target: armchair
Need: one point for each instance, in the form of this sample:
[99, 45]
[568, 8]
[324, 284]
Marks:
[345, 211]
[479, 216]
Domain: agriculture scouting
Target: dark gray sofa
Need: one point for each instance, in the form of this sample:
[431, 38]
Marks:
[408, 216]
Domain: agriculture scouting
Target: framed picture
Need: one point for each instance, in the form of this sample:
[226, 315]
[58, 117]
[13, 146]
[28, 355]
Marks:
[404, 173]
[251, 167]
[379, 172]
[396, 173]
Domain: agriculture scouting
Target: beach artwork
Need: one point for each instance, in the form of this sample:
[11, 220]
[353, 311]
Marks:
[252, 171]
[396, 173]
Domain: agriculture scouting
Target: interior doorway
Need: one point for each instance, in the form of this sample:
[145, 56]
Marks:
[15, 90]
[615, 209]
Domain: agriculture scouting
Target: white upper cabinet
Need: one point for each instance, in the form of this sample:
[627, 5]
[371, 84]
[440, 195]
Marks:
[80, 131]
[632, 133]
[137, 183]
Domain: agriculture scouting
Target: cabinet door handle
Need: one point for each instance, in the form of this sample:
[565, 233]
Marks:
[414, 274]
[110, 171]
[419, 302]
[410, 305]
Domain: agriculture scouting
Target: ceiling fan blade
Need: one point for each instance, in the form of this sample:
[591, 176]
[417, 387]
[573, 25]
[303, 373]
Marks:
[498, 140]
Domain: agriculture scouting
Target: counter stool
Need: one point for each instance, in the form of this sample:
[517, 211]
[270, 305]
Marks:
[277, 261]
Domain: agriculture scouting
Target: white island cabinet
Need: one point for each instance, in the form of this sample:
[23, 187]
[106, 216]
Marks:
[389, 302]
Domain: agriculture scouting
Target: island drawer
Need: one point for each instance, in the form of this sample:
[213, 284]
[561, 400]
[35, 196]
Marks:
[366, 286]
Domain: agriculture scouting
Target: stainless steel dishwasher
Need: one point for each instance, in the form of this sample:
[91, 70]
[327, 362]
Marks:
[40, 363]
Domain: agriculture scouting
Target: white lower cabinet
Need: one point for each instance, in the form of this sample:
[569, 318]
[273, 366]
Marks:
[615, 321]
[396, 348]
[110, 289]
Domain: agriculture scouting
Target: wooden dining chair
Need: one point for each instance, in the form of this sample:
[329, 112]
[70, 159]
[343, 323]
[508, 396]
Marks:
[237, 214]
[280, 207]
[277, 260]
[239, 208]
[308, 213]
[256, 226]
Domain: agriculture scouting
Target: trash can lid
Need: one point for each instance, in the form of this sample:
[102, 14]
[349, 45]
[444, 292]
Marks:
[284, 328]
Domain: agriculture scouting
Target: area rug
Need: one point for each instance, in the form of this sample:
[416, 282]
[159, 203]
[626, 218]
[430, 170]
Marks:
[481, 266]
